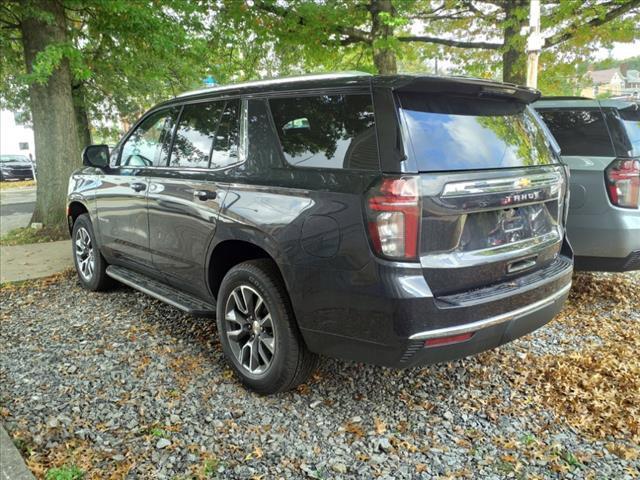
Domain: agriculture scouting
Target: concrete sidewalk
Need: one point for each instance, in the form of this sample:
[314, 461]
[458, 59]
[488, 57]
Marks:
[12, 465]
[24, 262]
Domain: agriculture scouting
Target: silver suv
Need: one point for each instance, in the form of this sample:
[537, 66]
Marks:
[600, 142]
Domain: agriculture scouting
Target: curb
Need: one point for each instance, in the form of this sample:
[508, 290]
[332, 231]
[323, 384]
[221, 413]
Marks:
[12, 466]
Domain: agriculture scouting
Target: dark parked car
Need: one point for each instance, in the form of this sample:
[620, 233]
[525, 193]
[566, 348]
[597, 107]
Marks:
[600, 142]
[393, 220]
[15, 167]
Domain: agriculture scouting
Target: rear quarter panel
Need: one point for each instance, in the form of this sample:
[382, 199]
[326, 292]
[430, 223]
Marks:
[595, 227]
[311, 222]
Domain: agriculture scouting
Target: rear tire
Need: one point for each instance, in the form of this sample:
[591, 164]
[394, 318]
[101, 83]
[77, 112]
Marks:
[258, 330]
[90, 264]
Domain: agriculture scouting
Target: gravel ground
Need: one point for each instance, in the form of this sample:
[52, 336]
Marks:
[121, 385]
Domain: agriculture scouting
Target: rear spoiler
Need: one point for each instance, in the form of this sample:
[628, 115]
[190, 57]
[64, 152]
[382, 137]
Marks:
[460, 86]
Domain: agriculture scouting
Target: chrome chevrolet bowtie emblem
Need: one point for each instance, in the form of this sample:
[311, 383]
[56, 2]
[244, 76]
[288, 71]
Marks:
[522, 183]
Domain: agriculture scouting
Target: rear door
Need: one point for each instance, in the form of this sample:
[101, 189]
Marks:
[121, 193]
[185, 197]
[492, 189]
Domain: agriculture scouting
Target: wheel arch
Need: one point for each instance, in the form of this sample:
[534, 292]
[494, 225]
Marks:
[75, 208]
[228, 253]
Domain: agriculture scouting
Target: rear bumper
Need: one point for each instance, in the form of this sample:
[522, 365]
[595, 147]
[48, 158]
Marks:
[387, 323]
[612, 234]
[488, 333]
[609, 264]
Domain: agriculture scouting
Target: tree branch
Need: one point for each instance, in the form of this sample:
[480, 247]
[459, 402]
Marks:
[572, 29]
[353, 35]
[452, 43]
[9, 13]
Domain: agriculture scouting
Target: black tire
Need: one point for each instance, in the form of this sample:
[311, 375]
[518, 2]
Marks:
[291, 362]
[98, 280]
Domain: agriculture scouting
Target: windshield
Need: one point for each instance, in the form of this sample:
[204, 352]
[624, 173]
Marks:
[468, 133]
[13, 158]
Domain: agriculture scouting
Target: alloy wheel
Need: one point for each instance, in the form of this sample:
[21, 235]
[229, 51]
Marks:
[85, 256]
[250, 329]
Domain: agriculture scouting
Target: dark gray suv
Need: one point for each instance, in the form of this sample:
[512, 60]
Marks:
[395, 220]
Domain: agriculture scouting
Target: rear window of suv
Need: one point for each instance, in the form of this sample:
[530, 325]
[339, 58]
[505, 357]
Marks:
[579, 131]
[450, 132]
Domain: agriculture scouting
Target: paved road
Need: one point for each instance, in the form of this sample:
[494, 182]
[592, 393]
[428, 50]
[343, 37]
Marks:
[16, 207]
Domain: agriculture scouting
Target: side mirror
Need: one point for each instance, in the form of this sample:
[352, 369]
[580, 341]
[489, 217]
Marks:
[96, 156]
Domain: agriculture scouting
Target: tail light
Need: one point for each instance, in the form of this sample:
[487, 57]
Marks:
[393, 217]
[622, 178]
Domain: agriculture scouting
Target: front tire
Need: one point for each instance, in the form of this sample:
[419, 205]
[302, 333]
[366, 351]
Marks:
[90, 264]
[258, 331]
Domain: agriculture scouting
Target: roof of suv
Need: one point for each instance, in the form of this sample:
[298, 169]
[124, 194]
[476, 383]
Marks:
[580, 102]
[309, 79]
[353, 78]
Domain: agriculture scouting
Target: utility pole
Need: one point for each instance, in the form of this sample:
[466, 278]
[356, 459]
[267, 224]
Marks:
[534, 44]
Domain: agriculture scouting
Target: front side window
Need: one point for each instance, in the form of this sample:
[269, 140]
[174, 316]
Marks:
[149, 144]
[327, 131]
[195, 134]
[579, 131]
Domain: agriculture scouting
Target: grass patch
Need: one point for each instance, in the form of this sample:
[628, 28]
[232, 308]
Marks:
[24, 447]
[210, 467]
[28, 235]
[70, 472]
[158, 433]
[18, 184]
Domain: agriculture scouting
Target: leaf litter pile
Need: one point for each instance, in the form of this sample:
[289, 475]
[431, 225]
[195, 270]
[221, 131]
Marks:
[597, 387]
[118, 385]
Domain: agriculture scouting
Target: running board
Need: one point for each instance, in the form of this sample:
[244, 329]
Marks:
[177, 298]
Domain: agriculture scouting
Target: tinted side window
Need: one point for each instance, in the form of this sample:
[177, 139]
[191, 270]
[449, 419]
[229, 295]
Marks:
[579, 132]
[225, 147]
[624, 126]
[149, 144]
[327, 131]
[195, 133]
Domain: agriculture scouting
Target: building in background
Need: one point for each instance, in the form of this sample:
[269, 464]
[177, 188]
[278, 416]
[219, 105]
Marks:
[14, 138]
[613, 82]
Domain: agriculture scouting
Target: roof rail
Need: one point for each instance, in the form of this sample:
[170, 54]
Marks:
[274, 81]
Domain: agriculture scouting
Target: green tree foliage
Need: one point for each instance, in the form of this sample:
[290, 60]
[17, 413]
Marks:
[124, 55]
[484, 37]
[113, 57]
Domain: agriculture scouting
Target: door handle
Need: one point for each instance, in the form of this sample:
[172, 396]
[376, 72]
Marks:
[138, 186]
[205, 194]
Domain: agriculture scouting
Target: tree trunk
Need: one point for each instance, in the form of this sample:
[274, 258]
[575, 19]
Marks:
[514, 56]
[54, 119]
[82, 117]
[384, 56]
